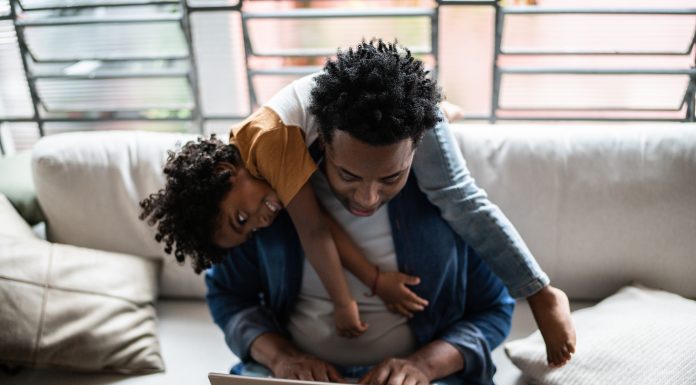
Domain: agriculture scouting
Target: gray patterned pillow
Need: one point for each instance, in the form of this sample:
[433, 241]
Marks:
[637, 336]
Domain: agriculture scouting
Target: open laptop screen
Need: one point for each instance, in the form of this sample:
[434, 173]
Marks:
[231, 379]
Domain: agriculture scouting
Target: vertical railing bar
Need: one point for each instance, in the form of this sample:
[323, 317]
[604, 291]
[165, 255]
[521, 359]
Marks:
[435, 40]
[495, 91]
[192, 77]
[23, 49]
[248, 50]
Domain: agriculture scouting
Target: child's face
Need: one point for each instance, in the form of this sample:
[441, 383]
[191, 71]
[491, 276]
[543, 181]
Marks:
[249, 205]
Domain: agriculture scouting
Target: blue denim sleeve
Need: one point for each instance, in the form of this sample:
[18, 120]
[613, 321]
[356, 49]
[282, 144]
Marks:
[466, 207]
[234, 292]
[485, 324]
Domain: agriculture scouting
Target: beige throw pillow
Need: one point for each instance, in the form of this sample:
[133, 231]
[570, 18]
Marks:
[638, 336]
[74, 308]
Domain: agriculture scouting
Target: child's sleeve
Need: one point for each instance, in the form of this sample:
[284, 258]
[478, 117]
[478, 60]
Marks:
[274, 152]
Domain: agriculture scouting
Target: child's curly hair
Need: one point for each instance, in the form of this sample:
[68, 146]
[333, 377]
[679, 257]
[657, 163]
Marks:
[185, 210]
[378, 93]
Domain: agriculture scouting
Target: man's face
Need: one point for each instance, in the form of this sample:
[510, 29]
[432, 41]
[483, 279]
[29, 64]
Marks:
[363, 176]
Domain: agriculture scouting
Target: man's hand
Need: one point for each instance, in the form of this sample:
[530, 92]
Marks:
[347, 318]
[392, 289]
[300, 366]
[396, 371]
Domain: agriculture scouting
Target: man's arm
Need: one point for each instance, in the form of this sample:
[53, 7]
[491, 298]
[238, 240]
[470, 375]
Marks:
[251, 329]
[437, 359]
[285, 361]
[485, 323]
[233, 293]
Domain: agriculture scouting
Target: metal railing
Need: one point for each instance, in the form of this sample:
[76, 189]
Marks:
[335, 13]
[23, 18]
[26, 16]
[498, 71]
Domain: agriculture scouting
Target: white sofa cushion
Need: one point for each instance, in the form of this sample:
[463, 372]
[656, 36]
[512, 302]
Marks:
[70, 307]
[599, 206]
[637, 336]
[12, 225]
[89, 185]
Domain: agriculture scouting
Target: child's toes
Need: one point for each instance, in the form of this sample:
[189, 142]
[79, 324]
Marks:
[566, 354]
[557, 359]
[551, 358]
[570, 346]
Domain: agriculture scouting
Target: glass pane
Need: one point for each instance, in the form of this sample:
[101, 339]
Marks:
[326, 35]
[58, 128]
[106, 41]
[4, 7]
[22, 135]
[599, 33]
[600, 92]
[114, 94]
[212, 3]
[219, 50]
[15, 100]
[40, 4]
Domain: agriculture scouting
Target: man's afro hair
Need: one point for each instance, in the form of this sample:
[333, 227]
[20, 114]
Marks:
[378, 93]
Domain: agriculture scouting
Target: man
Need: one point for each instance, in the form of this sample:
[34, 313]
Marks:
[269, 301]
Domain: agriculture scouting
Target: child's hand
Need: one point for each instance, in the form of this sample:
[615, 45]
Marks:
[392, 289]
[347, 318]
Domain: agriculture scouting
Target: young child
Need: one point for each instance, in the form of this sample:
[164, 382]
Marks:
[212, 202]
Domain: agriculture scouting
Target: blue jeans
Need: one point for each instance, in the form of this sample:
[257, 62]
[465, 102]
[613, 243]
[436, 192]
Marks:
[253, 369]
[449, 186]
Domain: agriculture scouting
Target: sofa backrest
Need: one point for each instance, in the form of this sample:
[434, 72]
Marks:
[599, 206]
[89, 185]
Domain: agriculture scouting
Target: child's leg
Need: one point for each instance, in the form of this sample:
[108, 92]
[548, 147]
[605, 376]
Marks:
[466, 207]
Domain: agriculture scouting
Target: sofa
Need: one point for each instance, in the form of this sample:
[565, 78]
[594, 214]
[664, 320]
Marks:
[601, 207]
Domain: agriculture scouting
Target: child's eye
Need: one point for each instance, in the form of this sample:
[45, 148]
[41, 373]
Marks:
[242, 220]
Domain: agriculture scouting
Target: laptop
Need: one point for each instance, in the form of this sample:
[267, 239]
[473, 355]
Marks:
[232, 379]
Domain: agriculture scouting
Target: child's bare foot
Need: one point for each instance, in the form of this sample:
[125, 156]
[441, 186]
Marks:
[552, 313]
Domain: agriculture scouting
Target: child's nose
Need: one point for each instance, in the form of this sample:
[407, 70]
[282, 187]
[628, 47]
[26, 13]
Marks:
[264, 220]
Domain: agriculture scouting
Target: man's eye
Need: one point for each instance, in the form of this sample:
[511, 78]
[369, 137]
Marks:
[391, 180]
[241, 219]
[348, 178]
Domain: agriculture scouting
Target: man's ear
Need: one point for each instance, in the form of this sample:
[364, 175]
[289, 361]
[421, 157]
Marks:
[321, 142]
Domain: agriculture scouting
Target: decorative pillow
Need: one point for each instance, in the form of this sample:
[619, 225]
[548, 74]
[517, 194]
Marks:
[11, 223]
[636, 336]
[74, 308]
[17, 185]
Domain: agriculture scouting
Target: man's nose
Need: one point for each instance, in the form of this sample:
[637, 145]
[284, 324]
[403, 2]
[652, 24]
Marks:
[367, 196]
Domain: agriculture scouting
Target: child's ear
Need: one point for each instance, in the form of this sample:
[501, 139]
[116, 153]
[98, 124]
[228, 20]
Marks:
[226, 166]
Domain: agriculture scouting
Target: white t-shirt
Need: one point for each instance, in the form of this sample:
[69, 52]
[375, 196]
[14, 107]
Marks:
[312, 324]
[291, 104]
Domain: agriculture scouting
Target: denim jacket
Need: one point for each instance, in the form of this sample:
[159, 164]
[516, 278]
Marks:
[253, 291]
